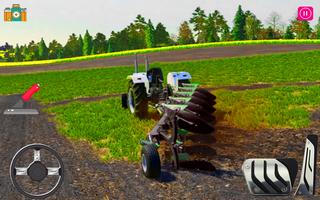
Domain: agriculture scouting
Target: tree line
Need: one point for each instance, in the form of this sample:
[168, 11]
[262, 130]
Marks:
[141, 33]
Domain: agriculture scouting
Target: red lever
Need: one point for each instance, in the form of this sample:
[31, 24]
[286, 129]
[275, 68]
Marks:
[30, 92]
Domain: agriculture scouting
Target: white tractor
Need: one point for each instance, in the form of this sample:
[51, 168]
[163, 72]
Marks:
[183, 107]
[146, 89]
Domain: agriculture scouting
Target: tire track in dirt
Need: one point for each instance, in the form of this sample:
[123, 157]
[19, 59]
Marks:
[82, 99]
[167, 56]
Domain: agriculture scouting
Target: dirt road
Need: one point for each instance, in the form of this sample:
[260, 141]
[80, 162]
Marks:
[220, 176]
[169, 56]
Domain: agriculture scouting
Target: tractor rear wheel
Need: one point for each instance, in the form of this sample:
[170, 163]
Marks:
[191, 122]
[150, 161]
[137, 99]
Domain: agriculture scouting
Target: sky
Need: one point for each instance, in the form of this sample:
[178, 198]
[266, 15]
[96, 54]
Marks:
[57, 19]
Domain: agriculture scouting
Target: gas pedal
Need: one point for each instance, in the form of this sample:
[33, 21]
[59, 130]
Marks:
[270, 176]
[307, 182]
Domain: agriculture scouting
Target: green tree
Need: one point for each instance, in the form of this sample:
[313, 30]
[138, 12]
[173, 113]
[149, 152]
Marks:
[55, 50]
[87, 44]
[226, 35]
[71, 49]
[238, 32]
[301, 29]
[136, 33]
[8, 57]
[119, 41]
[212, 32]
[161, 36]
[198, 21]
[131, 37]
[252, 26]
[110, 47]
[33, 50]
[150, 35]
[140, 21]
[99, 44]
[43, 50]
[93, 50]
[80, 43]
[274, 21]
[289, 34]
[216, 26]
[24, 52]
[270, 33]
[317, 29]
[17, 54]
[185, 34]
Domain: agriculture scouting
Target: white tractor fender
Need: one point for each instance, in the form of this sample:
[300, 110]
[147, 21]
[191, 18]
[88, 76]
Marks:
[141, 78]
[173, 78]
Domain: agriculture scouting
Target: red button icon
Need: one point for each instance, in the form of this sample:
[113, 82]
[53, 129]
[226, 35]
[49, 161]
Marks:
[305, 13]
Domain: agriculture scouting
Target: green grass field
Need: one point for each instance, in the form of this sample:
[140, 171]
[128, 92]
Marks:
[278, 68]
[106, 125]
[278, 107]
[116, 133]
[169, 48]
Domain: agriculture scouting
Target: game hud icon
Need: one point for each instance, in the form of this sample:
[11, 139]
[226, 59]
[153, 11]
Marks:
[270, 176]
[305, 13]
[19, 107]
[277, 176]
[15, 14]
[308, 176]
[35, 179]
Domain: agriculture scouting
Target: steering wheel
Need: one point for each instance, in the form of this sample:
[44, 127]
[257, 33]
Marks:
[36, 170]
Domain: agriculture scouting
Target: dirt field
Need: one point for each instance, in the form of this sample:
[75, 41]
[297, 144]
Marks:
[216, 174]
[170, 56]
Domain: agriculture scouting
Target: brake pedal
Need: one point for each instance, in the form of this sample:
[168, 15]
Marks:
[270, 176]
[307, 182]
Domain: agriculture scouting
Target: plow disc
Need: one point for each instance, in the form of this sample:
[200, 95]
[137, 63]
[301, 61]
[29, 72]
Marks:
[200, 112]
[206, 105]
[193, 123]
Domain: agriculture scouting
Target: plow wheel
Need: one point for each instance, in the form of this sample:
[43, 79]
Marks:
[150, 161]
[193, 123]
[137, 99]
[200, 112]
